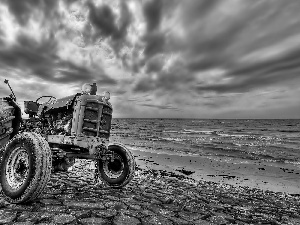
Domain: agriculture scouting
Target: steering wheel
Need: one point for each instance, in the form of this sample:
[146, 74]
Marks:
[51, 98]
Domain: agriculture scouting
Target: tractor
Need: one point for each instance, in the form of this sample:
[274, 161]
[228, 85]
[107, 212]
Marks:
[56, 132]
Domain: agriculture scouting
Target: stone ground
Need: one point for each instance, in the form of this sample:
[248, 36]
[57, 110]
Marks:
[153, 197]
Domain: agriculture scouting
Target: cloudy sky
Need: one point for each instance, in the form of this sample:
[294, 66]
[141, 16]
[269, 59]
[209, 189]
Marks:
[158, 58]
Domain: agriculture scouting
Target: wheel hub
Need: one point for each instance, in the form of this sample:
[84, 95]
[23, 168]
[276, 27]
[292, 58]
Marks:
[17, 168]
[114, 167]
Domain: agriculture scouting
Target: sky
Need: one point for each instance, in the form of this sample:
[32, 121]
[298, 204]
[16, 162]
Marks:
[158, 58]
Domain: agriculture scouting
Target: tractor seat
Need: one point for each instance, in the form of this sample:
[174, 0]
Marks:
[31, 108]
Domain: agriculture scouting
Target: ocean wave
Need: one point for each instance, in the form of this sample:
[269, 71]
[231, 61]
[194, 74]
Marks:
[292, 162]
[170, 131]
[289, 131]
[236, 135]
[172, 139]
[282, 160]
[189, 131]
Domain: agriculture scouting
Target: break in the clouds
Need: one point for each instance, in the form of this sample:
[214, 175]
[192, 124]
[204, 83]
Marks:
[158, 58]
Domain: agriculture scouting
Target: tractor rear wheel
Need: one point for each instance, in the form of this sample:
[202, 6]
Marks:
[25, 167]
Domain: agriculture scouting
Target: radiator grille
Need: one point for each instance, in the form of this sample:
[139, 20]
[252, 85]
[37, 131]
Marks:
[91, 114]
[97, 120]
[105, 122]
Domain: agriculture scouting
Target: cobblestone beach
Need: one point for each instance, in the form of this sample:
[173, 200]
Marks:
[153, 197]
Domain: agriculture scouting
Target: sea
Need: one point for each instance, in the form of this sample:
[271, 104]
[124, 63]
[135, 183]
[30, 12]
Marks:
[234, 140]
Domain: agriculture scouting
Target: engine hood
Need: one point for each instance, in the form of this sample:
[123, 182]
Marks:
[62, 103]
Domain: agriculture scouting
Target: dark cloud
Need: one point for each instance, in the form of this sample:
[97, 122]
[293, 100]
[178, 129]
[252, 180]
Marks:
[105, 22]
[214, 35]
[103, 19]
[40, 59]
[194, 9]
[118, 92]
[168, 80]
[1, 38]
[145, 84]
[153, 13]
[159, 106]
[282, 63]
[154, 38]
[245, 77]
[218, 104]
[155, 64]
[155, 43]
[28, 53]
[208, 51]
[24, 10]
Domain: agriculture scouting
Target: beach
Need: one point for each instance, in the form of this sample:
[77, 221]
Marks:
[174, 183]
[265, 177]
[152, 197]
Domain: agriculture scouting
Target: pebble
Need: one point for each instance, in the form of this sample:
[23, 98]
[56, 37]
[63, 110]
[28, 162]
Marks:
[125, 220]
[218, 220]
[150, 199]
[93, 221]
[7, 216]
[63, 219]
[156, 220]
[23, 223]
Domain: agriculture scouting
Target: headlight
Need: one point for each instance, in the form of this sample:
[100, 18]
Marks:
[106, 95]
[86, 89]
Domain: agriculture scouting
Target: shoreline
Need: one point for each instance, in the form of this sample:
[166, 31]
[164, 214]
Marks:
[277, 177]
[261, 176]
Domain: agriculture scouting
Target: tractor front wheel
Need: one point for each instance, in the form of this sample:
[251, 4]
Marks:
[118, 171]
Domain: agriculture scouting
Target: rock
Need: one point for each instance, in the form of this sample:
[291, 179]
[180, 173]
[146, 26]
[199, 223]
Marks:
[218, 220]
[180, 221]
[149, 195]
[133, 213]
[84, 205]
[104, 213]
[189, 216]
[94, 221]
[15, 207]
[112, 198]
[63, 219]
[148, 213]
[47, 215]
[3, 203]
[135, 207]
[115, 205]
[125, 220]
[46, 224]
[54, 208]
[23, 223]
[293, 221]
[81, 214]
[120, 206]
[34, 216]
[167, 200]
[50, 202]
[156, 220]
[166, 213]
[7, 216]
[202, 222]
[150, 201]
[155, 201]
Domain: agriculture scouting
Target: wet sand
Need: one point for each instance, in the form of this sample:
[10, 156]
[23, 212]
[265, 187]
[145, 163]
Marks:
[261, 176]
